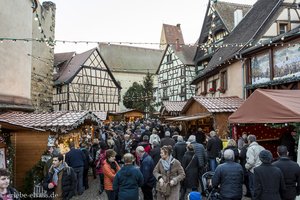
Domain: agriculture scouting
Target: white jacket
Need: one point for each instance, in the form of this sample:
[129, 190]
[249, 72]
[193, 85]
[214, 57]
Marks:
[252, 156]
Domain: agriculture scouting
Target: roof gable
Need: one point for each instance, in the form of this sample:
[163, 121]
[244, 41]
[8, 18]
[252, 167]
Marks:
[247, 30]
[224, 11]
[171, 34]
[72, 68]
[84, 59]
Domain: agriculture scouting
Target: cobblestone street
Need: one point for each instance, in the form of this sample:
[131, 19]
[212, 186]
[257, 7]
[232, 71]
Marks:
[92, 192]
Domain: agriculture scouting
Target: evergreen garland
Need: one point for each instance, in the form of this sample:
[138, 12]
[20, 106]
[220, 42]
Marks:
[10, 153]
[33, 176]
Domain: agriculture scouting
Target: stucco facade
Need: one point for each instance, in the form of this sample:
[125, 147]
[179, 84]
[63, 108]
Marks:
[15, 76]
[234, 82]
[26, 65]
[127, 79]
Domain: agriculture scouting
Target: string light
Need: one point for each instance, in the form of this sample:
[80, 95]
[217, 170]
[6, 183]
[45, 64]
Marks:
[52, 43]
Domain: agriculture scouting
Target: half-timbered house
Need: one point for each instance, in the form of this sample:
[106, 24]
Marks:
[84, 82]
[225, 72]
[275, 65]
[176, 69]
[175, 73]
[220, 20]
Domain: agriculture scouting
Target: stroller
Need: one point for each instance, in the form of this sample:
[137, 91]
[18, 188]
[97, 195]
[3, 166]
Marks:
[208, 191]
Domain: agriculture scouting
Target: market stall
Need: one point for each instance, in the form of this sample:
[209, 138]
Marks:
[208, 113]
[30, 133]
[268, 114]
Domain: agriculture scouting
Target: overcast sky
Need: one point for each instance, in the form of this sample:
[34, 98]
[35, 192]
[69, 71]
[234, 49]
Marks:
[138, 21]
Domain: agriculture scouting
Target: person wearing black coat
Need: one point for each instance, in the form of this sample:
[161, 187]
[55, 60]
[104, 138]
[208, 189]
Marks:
[60, 180]
[179, 149]
[243, 162]
[86, 165]
[291, 173]
[268, 179]
[155, 152]
[191, 168]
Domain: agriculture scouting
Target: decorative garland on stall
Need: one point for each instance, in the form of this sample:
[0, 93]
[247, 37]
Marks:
[10, 152]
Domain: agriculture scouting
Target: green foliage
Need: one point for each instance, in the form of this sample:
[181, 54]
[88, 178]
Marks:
[10, 152]
[35, 175]
[140, 97]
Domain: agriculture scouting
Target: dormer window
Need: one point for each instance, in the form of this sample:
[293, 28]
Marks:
[169, 58]
[283, 27]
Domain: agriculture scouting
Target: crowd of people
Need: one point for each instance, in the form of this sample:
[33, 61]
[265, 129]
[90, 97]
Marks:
[157, 159]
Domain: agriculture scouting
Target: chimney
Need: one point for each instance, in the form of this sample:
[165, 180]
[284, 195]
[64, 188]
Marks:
[178, 25]
[238, 16]
[177, 45]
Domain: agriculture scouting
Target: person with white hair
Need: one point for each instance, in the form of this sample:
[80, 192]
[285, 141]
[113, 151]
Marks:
[146, 167]
[214, 147]
[167, 140]
[229, 176]
[252, 159]
[179, 148]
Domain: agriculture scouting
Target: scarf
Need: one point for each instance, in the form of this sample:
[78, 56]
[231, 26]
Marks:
[167, 163]
[56, 171]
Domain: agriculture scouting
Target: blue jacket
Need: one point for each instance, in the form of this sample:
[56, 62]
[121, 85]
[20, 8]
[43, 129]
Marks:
[75, 158]
[147, 166]
[229, 176]
[127, 182]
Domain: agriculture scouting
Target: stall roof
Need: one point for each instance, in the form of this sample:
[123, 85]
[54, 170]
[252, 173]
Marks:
[216, 104]
[269, 106]
[173, 106]
[60, 121]
[190, 117]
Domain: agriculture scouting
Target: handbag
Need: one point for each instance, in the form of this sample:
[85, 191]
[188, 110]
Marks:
[165, 189]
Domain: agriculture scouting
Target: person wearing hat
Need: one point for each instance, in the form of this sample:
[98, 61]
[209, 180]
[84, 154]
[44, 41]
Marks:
[268, 179]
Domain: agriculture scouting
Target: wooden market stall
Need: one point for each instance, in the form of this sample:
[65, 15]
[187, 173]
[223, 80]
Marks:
[208, 113]
[171, 109]
[132, 115]
[268, 114]
[30, 134]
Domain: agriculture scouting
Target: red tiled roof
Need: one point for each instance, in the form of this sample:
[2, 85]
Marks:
[174, 106]
[219, 104]
[61, 121]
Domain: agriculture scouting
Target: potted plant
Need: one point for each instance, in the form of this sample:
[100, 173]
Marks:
[212, 90]
[221, 90]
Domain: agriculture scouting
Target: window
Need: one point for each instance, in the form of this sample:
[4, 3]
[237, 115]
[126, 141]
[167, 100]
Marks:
[214, 84]
[182, 71]
[165, 93]
[169, 58]
[223, 83]
[283, 28]
[58, 90]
